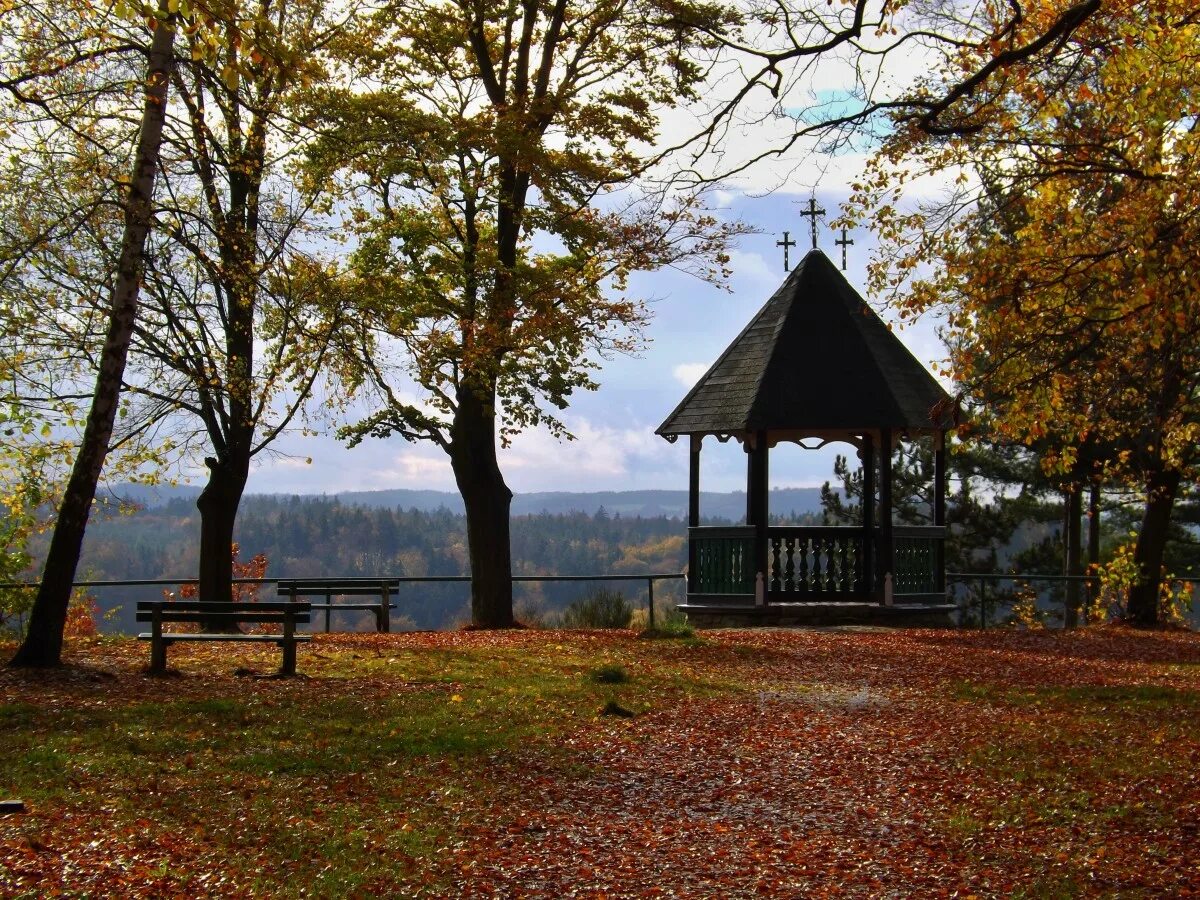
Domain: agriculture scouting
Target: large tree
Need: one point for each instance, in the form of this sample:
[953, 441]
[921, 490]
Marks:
[233, 336]
[1078, 320]
[42, 645]
[501, 198]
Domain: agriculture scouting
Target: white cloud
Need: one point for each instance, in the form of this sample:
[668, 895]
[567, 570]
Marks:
[753, 267]
[602, 457]
[688, 374]
[412, 469]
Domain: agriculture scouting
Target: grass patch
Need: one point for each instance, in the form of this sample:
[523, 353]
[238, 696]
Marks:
[670, 631]
[471, 764]
[13, 715]
[1075, 759]
[355, 780]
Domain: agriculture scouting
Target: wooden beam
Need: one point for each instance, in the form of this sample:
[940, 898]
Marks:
[867, 455]
[939, 504]
[694, 480]
[887, 549]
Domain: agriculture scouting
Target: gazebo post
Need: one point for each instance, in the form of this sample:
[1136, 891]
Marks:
[757, 486]
[887, 547]
[867, 455]
[693, 506]
[694, 481]
[939, 505]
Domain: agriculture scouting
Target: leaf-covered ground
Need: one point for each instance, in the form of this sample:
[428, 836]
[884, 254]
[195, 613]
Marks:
[777, 763]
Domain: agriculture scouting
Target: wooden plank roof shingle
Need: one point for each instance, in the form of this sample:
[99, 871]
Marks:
[816, 356]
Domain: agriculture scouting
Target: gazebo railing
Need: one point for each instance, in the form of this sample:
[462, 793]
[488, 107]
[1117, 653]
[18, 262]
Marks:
[805, 559]
[918, 550]
[801, 560]
[811, 562]
[721, 560]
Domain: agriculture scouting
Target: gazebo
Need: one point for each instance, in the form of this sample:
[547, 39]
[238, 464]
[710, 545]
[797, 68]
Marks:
[815, 364]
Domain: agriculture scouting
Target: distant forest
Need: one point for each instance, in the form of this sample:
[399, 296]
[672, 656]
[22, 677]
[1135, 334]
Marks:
[316, 536]
[309, 536]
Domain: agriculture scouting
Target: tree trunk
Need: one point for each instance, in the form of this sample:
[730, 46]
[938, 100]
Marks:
[42, 646]
[487, 500]
[218, 504]
[1074, 555]
[1161, 490]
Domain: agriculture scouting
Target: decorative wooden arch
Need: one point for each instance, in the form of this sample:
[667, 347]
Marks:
[815, 363]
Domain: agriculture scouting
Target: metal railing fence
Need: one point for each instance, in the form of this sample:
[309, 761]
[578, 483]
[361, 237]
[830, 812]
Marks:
[649, 578]
[982, 579]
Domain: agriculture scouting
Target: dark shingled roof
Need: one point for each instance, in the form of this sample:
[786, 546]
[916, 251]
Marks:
[815, 357]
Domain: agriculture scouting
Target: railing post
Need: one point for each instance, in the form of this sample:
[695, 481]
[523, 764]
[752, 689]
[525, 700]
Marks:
[650, 600]
[867, 565]
[982, 604]
[939, 509]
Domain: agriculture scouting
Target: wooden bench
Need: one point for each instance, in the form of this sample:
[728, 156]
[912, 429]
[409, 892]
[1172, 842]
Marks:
[382, 588]
[271, 612]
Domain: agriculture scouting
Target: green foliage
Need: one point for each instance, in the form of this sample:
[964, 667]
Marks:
[603, 609]
[483, 248]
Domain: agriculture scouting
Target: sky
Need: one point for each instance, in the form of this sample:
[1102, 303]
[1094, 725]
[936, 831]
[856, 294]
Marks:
[691, 324]
[615, 448]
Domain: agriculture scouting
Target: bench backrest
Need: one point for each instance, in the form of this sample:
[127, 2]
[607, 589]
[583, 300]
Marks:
[338, 588]
[265, 611]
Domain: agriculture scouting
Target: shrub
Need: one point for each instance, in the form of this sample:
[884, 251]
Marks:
[669, 623]
[603, 609]
[611, 674]
[613, 708]
[81, 615]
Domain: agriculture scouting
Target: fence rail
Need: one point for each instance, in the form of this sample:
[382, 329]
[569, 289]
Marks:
[649, 578]
[982, 579]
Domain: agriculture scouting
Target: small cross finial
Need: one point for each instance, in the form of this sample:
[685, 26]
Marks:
[813, 212]
[785, 244]
[844, 243]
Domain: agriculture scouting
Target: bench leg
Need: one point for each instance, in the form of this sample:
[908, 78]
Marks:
[158, 647]
[158, 655]
[289, 658]
[289, 645]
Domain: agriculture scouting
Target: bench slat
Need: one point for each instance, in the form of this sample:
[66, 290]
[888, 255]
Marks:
[169, 637]
[205, 606]
[232, 620]
[310, 582]
[350, 606]
[337, 592]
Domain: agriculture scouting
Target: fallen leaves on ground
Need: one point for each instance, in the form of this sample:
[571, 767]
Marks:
[775, 762]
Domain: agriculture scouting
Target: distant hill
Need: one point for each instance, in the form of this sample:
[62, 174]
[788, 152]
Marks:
[647, 504]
